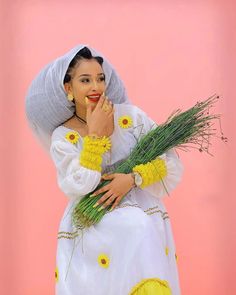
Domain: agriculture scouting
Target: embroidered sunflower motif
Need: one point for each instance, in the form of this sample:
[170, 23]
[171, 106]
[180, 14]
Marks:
[72, 136]
[167, 250]
[106, 142]
[56, 274]
[103, 260]
[125, 121]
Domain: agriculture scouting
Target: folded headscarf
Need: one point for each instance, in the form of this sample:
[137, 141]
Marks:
[47, 106]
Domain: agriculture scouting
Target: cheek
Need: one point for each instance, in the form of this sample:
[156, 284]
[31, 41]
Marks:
[104, 86]
[80, 89]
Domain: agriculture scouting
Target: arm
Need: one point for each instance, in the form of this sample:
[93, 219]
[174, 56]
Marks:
[161, 175]
[77, 172]
[170, 175]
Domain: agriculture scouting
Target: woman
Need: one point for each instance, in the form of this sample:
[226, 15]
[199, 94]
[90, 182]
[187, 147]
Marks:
[131, 250]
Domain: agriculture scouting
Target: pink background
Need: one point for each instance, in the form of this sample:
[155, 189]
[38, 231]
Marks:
[169, 54]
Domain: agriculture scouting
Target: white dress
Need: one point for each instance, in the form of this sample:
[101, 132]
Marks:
[131, 245]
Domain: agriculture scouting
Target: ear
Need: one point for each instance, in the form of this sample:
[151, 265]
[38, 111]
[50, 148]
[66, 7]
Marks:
[68, 88]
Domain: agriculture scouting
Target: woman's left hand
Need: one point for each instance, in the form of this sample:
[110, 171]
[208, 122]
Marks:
[119, 186]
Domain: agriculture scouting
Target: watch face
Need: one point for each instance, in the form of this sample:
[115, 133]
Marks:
[138, 179]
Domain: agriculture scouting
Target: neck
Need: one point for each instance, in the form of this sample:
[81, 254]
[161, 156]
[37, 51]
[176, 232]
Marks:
[80, 113]
[80, 118]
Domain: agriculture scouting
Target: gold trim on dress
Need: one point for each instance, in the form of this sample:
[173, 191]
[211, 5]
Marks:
[149, 211]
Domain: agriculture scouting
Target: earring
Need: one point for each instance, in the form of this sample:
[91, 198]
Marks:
[70, 97]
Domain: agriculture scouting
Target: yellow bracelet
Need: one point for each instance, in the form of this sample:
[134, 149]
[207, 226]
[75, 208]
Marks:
[152, 171]
[93, 148]
[97, 144]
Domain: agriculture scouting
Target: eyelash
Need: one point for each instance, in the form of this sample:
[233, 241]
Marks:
[102, 79]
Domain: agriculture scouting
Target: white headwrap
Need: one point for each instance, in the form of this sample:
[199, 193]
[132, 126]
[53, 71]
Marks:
[47, 105]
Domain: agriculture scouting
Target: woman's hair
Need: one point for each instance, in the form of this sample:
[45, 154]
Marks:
[84, 53]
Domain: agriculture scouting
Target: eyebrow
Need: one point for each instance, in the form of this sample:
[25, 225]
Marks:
[90, 75]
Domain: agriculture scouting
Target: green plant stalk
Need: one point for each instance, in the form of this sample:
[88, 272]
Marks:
[190, 127]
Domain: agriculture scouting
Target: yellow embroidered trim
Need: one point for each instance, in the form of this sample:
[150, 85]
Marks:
[72, 136]
[125, 121]
[93, 148]
[103, 260]
[152, 286]
[151, 172]
[56, 274]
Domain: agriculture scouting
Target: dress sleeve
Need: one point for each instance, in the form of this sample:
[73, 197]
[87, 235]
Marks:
[173, 163]
[72, 178]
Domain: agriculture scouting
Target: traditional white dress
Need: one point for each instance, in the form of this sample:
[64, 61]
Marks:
[131, 249]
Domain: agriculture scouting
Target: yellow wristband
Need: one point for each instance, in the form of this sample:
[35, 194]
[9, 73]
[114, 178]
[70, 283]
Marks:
[93, 148]
[152, 171]
[98, 145]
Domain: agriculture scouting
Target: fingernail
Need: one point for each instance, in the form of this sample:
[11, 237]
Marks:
[100, 208]
[111, 209]
[94, 206]
[93, 195]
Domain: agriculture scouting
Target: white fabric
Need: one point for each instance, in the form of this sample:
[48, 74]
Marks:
[46, 103]
[134, 235]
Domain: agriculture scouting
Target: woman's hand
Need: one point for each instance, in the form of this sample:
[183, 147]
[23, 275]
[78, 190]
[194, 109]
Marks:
[100, 120]
[115, 190]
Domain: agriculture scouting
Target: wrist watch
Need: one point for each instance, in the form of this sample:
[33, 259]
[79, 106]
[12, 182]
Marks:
[137, 178]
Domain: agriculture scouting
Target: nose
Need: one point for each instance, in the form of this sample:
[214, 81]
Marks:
[94, 86]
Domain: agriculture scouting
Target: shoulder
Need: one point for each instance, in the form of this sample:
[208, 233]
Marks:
[62, 134]
[136, 113]
[123, 107]
[126, 116]
[130, 110]
[64, 142]
[132, 117]
[59, 133]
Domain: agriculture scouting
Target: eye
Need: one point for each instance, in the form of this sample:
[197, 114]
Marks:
[102, 79]
[85, 80]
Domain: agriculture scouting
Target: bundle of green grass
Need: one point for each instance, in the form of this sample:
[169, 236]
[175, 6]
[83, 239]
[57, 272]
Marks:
[184, 130]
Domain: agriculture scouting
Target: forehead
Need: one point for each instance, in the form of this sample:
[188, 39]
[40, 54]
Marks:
[90, 66]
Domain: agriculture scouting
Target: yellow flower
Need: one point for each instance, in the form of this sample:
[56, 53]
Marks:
[103, 260]
[72, 136]
[105, 142]
[125, 121]
[167, 250]
[56, 274]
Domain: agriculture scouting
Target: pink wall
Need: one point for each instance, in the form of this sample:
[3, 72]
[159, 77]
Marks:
[181, 50]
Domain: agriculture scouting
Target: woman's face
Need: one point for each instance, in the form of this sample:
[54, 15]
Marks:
[87, 79]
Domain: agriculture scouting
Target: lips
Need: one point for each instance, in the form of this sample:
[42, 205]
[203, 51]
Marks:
[94, 97]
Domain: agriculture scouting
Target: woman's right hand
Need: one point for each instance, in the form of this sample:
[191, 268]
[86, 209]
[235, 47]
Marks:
[98, 120]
